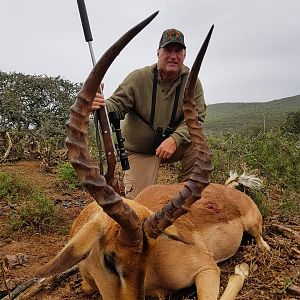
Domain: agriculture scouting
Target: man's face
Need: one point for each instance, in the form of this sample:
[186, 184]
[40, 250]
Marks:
[170, 59]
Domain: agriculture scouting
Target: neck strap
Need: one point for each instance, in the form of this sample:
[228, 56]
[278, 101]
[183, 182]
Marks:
[154, 91]
[172, 123]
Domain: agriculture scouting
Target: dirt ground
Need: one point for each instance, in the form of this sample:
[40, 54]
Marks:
[272, 275]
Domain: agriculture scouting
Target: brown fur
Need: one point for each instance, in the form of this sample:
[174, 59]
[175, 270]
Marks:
[210, 232]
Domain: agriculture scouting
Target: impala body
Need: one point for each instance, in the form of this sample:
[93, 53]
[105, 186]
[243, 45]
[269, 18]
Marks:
[211, 232]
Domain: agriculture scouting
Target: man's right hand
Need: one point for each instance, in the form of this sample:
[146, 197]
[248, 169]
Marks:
[98, 102]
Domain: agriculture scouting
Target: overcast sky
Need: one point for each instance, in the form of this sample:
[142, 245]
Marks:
[254, 52]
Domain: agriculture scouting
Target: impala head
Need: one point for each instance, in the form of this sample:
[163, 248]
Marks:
[117, 237]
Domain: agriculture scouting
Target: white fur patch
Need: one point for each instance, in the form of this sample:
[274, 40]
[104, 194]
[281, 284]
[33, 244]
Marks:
[247, 180]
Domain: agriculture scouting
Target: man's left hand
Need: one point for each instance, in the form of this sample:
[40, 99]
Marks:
[166, 148]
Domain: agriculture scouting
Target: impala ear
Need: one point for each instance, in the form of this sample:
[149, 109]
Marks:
[77, 249]
[172, 233]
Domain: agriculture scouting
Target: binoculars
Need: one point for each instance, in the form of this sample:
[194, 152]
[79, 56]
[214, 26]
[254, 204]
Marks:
[160, 136]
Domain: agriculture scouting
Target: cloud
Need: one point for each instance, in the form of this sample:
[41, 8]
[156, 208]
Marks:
[253, 54]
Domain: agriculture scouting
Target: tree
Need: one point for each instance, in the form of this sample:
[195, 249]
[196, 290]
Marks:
[35, 104]
[34, 108]
[292, 123]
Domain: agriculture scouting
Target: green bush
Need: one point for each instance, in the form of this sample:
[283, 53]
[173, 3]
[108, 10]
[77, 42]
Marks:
[29, 207]
[290, 202]
[13, 189]
[292, 123]
[37, 213]
[67, 177]
[272, 156]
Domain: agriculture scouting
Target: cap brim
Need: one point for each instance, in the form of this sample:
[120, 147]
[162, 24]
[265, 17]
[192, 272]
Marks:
[171, 42]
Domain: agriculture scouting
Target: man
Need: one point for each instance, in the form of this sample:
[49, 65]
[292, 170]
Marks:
[150, 99]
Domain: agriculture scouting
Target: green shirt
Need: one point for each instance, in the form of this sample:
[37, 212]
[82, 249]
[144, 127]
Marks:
[135, 94]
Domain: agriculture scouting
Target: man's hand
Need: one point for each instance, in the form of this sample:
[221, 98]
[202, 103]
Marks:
[99, 99]
[98, 102]
[166, 148]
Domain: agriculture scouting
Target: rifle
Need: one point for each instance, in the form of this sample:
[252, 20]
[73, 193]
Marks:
[104, 119]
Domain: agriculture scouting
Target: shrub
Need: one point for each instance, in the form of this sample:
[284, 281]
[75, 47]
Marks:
[29, 207]
[67, 177]
[292, 123]
[272, 156]
[13, 189]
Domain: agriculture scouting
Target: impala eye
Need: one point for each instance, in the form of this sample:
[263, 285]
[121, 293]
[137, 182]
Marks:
[110, 263]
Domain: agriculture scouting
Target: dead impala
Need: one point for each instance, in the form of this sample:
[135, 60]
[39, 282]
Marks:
[131, 249]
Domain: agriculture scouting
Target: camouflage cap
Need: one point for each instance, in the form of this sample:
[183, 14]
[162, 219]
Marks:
[171, 36]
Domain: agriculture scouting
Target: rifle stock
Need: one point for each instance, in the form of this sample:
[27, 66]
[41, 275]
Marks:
[108, 148]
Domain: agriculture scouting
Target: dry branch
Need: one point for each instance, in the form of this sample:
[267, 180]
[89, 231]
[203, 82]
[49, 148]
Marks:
[29, 288]
[286, 231]
[6, 154]
[294, 289]
[3, 274]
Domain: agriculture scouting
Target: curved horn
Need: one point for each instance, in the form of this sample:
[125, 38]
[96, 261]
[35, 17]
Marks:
[77, 143]
[199, 179]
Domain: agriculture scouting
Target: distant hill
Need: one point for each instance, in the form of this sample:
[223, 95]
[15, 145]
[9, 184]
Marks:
[242, 117]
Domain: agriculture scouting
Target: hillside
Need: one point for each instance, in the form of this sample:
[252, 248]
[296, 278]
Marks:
[224, 117]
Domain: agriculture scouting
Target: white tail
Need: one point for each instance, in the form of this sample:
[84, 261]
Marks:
[248, 180]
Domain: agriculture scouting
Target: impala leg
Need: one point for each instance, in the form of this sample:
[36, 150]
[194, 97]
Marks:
[88, 284]
[235, 282]
[255, 230]
[208, 283]
[262, 243]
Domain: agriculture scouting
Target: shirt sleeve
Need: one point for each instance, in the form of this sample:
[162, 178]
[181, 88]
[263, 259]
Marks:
[122, 100]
